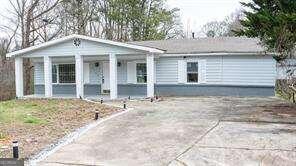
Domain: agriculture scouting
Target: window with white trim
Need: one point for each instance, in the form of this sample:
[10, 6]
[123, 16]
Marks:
[192, 72]
[141, 73]
[63, 73]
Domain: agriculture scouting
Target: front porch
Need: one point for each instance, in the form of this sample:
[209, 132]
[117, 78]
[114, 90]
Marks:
[89, 68]
[93, 77]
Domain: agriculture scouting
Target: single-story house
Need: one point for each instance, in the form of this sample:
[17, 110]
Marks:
[83, 66]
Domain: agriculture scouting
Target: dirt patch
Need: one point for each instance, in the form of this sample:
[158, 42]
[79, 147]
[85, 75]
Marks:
[282, 110]
[266, 111]
[38, 123]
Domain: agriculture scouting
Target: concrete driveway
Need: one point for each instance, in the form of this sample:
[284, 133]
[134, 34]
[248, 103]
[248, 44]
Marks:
[188, 131]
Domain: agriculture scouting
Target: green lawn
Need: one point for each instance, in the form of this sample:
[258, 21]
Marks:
[14, 111]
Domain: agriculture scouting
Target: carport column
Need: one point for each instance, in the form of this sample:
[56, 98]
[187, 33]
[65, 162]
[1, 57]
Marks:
[19, 80]
[79, 76]
[48, 76]
[150, 75]
[113, 76]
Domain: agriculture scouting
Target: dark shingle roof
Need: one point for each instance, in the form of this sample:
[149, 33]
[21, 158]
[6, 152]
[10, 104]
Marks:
[206, 45]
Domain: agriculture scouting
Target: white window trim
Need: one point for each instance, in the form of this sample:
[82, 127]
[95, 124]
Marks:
[135, 72]
[57, 68]
[58, 80]
[199, 61]
[186, 72]
[139, 62]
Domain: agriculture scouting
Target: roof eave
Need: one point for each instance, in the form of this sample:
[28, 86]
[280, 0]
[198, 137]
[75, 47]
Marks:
[219, 53]
[50, 43]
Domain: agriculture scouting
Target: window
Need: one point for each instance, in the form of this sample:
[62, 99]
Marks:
[141, 73]
[192, 72]
[63, 73]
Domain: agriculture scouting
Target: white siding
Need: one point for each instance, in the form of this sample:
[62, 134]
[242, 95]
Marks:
[226, 70]
[181, 71]
[167, 70]
[38, 73]
[202, 71]
[214, 70]
[86, 73]
[131, 72]
[95, 73]
[122, 73]
[86, 48]
[248, 70]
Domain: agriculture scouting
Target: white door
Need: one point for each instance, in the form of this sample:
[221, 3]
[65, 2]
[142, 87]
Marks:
[106, 78]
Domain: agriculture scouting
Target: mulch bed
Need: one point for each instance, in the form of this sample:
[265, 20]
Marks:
[67, 115]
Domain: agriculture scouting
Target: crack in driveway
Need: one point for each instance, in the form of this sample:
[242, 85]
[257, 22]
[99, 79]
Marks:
[74, 164]
[195, 142]
[262, 149]
[181, 162]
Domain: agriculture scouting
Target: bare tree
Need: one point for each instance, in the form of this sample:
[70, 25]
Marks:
[225, 27]
[76, 16]
[25, 19]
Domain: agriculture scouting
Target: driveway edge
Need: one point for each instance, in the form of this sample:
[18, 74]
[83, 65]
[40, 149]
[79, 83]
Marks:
[69, 138]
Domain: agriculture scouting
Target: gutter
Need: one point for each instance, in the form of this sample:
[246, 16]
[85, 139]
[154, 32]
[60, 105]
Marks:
[218, 54]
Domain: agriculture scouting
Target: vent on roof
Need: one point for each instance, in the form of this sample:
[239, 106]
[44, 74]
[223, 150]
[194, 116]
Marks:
[76, 42]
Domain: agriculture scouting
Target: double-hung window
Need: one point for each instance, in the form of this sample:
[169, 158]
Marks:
[141, 73]
[63, 73]
[192, 72]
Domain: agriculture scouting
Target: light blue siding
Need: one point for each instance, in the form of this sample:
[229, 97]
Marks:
[248, 70]
[223, 70]
[214, 70]
[38, 73]
[122, 72]
[67, 48]
[167, 70]
[95, 73]
[226, 70]
[233, 74]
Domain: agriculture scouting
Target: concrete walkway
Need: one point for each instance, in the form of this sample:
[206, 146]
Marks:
[183, 131]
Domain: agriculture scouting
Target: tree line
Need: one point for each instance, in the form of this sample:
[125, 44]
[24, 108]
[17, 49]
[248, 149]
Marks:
[33, 21]
[29, 22]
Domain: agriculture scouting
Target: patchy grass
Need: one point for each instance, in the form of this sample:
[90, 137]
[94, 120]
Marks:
[2, 136]
[14, 111]
[34, 120]
[37, 123]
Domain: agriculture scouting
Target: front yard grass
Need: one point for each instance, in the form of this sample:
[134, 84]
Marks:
[37, 123]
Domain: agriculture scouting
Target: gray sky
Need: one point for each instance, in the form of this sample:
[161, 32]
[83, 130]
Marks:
[194, 13]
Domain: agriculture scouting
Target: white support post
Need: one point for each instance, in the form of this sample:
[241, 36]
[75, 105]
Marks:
[150, 75]
[19, 78]
[79, 76]
[48, 76]
[113, 76]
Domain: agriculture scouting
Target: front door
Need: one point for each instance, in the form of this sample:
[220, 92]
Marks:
[106, 78]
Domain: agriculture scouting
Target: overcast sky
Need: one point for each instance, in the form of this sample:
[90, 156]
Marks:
[194, 13]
